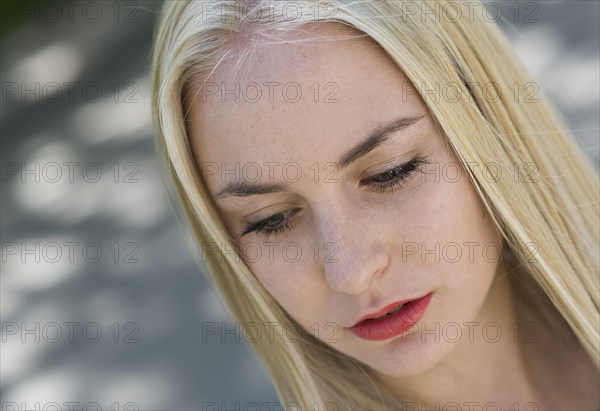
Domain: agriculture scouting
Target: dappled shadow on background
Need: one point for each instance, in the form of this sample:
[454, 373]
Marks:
[110, 258]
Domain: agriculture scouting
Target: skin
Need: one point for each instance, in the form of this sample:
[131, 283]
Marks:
[361, 262]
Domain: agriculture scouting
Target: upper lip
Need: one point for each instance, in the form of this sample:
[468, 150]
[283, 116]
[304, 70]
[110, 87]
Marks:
[386, 309]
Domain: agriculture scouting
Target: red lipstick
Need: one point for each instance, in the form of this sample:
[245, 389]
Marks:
[391, 321]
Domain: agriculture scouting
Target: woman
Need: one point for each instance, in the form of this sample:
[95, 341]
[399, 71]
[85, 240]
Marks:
[369, 193]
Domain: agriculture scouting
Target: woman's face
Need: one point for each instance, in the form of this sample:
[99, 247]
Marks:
[327, 144]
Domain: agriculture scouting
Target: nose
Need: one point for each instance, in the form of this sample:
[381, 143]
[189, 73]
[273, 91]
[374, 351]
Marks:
[357, 253]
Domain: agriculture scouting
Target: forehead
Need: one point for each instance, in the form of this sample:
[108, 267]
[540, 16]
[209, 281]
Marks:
[309, 98]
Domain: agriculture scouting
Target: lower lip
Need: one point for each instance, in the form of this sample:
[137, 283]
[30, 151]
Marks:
[393, 325]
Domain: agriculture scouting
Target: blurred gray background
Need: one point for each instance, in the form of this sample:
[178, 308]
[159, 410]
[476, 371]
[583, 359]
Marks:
[102, 306]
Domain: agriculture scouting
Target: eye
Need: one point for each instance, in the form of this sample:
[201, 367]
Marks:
[271, 225]
[387, 176]
[386, 181]
[394, 177]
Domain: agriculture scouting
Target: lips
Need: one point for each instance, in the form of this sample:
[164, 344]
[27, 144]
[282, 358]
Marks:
[393, 320]
[392, 312]
[386, 310]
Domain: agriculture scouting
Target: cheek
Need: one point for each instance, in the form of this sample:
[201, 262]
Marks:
[457, 244]
[456, 216]
[289, 273]
[440, 212]
[441, 232]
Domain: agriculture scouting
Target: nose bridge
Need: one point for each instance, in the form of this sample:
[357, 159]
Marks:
[356, 253]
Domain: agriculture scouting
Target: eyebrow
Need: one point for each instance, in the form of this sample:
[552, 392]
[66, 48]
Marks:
[377, 137]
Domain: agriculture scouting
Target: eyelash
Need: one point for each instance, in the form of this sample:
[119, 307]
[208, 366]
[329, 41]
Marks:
[261, 226]
[398, 176]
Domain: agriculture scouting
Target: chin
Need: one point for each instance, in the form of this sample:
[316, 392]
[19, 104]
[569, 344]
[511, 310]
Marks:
[406, 355]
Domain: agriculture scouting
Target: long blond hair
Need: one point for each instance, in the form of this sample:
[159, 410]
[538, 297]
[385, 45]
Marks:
[551, 227]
